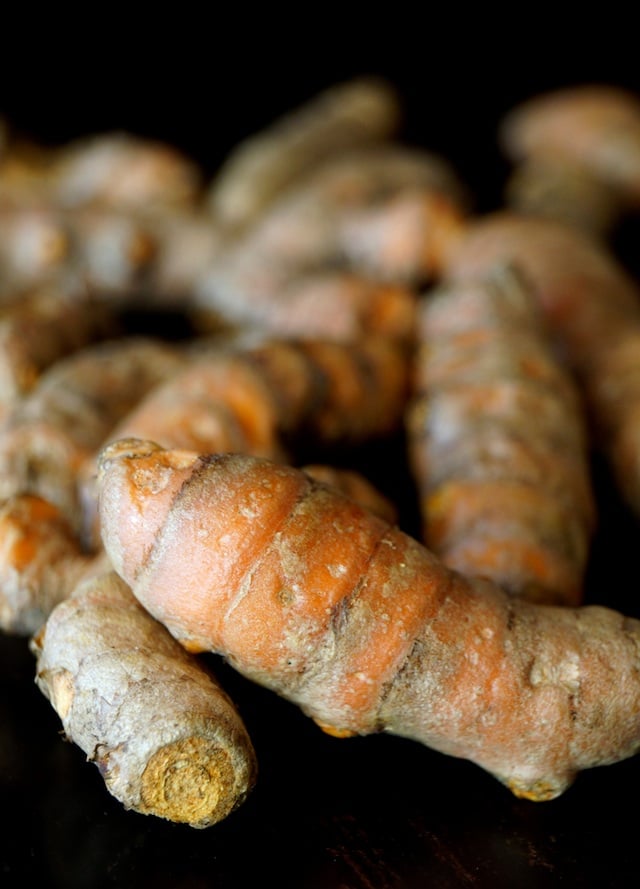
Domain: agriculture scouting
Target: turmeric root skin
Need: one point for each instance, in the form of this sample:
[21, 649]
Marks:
[165, 737]
[40, 560]
[355, 113]
[361, 626]
[594, 126]
[50, 432]
[592, 306]
[498, 441]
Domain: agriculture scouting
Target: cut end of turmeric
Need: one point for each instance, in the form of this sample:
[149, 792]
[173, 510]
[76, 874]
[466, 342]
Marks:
[191, 781]
[165, 738]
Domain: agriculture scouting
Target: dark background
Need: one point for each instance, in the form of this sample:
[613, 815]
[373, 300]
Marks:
[206, 80]
[370, 813]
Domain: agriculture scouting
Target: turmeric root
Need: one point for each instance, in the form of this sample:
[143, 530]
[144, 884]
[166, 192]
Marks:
[113, 212]
[342, 253]
[154, 720]
[263, 399]
[594, 128]
[104, 249]
[122, 170]
[555, 188]
[40, 327]
[50, 433]
[318, 304]
[34, 248]
[324, 603]
[341, 393]
[165, 736]
[592, 308]
[105, 169]
[111, 251]
[185, 246]
[40, 562]
[583, 290]
[387, 213]
[357, 486]
[498, 442]
[360, 206]
[42, 559]
[167, 739]
[261, 168]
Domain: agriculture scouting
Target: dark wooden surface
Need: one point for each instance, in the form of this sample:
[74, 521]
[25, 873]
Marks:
[366, 813]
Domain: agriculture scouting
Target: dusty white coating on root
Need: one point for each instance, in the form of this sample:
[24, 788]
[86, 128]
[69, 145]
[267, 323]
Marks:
[164, 735]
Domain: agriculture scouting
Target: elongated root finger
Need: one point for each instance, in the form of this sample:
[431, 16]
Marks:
[164, 735]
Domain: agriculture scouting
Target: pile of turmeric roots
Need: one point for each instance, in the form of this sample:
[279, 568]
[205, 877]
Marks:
[333, 286]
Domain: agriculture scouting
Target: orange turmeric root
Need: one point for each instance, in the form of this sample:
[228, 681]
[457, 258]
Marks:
[166, 738]
[342, 393]
[184, 246]
[49, 434]
[34, 248]
[498, 442]
[594, 128]
[387, 211]
[40, 562]
[353, 484]
[351, 114]
[264, 399]
[106, 170]
[107, 250]
[318, 303]
[41, 327]
[556, 188]
[113, 212]
[117, 169]
[342, 252]
[42, 559]
[360, 625]
[592, 309]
